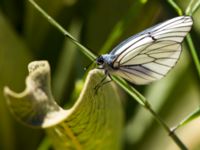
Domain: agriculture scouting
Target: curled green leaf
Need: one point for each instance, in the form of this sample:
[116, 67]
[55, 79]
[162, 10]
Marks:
[35, 106]
[94, 122]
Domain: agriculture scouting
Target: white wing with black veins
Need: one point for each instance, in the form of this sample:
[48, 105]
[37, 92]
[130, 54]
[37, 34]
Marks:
[149, 55]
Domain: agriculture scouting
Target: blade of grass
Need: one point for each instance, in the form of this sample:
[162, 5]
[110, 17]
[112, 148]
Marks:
[34, 23]
[134, 93]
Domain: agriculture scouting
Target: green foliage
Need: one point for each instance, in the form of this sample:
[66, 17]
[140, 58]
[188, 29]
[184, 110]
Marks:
[26, 35]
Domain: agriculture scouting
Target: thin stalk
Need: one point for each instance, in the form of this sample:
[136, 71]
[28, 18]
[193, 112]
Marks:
[130, 90]
[83, 49]
[188, 10]
[191, 9]
[171, 133]
[190, 44]
[193, 53]
[195, 7]
[142, 100]
[176, 7]
[45, 144]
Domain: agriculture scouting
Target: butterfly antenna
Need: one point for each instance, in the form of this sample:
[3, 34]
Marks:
[86, 68]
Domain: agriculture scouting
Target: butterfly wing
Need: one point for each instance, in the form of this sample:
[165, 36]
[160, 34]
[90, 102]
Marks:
[149, 55]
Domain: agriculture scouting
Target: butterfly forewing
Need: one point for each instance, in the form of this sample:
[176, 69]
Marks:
[149, 55]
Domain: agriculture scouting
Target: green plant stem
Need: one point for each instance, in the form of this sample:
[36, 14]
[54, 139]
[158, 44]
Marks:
[176, 7]
[189, 8]
[142, 100]
[130, 90]
[189, 11]
[83, 49]
[195, 7]
[193, 53]
[45, 144]
[170, 132]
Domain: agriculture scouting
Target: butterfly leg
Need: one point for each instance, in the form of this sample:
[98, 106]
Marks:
[103, 82]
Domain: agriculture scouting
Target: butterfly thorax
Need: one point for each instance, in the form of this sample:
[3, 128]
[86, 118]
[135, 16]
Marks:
[106, 61]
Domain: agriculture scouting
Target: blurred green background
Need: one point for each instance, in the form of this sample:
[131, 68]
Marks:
[26, 36]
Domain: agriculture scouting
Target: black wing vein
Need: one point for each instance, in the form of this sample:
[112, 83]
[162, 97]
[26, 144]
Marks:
[150, 54]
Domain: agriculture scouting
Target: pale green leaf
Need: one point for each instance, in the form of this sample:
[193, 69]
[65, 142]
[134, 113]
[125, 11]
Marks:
[94, 122]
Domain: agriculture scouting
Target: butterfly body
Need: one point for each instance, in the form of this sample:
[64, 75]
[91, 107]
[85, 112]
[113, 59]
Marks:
[106, 62]
[148, 55]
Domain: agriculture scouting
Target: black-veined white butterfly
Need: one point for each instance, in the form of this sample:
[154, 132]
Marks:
[148, 55]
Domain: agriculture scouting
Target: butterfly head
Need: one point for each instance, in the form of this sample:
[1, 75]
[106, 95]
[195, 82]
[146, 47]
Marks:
[100, 60]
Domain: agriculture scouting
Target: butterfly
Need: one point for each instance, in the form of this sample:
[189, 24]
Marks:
[149, 55]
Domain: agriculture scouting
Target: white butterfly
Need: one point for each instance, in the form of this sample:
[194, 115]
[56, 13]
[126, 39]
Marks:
[148, 55]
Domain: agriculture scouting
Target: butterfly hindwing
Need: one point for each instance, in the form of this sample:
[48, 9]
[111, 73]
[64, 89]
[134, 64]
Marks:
[149, 55]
